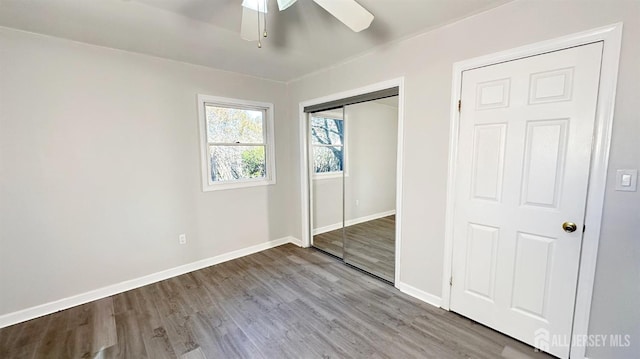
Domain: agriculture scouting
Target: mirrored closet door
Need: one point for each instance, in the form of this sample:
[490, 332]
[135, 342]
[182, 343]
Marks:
[370, 186]
[353, 152]
[326, 140]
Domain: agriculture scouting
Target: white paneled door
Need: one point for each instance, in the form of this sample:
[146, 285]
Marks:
[526, 131]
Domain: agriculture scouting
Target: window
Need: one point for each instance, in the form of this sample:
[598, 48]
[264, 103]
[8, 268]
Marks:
[237, 143]
[327, 140]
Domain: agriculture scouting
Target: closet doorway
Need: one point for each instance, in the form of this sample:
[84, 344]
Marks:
[352, 156]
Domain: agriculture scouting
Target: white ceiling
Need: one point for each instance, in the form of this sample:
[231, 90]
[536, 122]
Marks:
[302, 39]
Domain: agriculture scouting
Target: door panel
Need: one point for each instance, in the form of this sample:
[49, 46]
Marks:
[326, 171]
[488, 161]
[370, 187]
[526, 128]
[481, 260]
[531, 274]
[545, 151]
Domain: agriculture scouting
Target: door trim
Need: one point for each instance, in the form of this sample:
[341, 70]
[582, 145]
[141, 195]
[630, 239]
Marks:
[304, 159]
[611, 37]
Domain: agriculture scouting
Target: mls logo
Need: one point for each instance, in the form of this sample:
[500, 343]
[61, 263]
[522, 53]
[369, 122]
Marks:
[541, 340]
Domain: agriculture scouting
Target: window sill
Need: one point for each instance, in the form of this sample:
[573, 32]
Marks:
[317, 177]
[236, 185]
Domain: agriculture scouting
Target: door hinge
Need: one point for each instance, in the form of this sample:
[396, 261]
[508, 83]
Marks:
[451, 281]
[459, 105]
[584, 228]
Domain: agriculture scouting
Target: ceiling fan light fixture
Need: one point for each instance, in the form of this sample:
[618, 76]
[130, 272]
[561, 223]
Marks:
[349, 12]
[283, 4]
[256, 5]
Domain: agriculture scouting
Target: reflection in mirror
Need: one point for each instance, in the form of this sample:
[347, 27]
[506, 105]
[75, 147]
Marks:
[327, 162]
[370, 186]
[353, 154]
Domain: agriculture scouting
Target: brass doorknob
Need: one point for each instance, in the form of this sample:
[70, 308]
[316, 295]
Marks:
[569, 227]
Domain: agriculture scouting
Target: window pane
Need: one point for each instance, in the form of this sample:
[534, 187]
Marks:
[327, 159]
[228, 125]
[327, 131]
[229, 163]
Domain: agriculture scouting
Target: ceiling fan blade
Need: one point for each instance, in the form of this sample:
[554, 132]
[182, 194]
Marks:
[249, 28]
[349, 12]
[257, 5]
[283, 4]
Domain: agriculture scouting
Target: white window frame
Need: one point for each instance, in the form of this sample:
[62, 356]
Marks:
[336, 174]
[269, 143]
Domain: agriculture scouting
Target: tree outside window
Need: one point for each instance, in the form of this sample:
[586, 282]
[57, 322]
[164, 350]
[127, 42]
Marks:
[327, 139]
[236, 143]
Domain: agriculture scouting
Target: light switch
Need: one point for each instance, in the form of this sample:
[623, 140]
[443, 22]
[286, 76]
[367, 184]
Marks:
[626, 180]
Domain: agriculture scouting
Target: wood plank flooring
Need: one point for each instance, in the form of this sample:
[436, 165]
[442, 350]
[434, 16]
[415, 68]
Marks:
[286, 302]
[369, 246]
[330, 242]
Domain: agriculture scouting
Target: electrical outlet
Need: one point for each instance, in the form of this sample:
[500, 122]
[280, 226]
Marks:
[357, 202]
[182, 239]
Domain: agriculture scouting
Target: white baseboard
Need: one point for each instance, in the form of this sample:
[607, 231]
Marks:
[325, 229]
[351, 222]
[61, 304]
[295, 241]
[420, 294]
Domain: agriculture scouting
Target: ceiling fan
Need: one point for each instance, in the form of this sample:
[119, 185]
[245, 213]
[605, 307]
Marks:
[349, 12]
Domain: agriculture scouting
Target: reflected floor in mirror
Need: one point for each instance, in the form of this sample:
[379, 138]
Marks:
[370, 246]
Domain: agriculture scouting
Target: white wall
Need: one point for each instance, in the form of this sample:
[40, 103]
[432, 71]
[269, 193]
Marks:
[100, 172]
[426, 63]
[371, 142]
[372, 136]
[327, 204]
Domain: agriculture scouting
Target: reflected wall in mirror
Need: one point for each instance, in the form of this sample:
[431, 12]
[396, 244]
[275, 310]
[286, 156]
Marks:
[353, 166]
[370, 186]
[327, 160]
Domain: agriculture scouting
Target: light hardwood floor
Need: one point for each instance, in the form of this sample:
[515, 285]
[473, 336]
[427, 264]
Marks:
[369, 246]
[286, 302]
